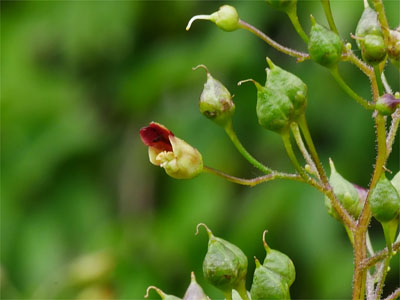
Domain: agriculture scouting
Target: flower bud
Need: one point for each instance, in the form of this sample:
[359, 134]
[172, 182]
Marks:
[283, 5]
[288, 84]
[194, 291]
[394, 45]
[216, 101]
[387, 104]
[368, 24]
[179, 159]
[325, 46]
[163, 295]
[345, 192]
[225, 265]
[279, 263]
[225, 18]
[384, 201]
[373, 49]
[268, 284]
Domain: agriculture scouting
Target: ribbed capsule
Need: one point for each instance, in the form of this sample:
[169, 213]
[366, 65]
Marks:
[325, 46]
[279, 263]
[194, 291]
[215, 100]
[225, 265]
[268, 284]
[345, 192]
[384, 201]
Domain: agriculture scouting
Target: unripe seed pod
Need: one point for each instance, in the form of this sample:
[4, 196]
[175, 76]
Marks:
[268, 284]
[387, 104]
[283, 5]
[225, 265]
[279, 263]
[288, 84]
[345, 192]
[225, 18]
[325, 46]
[368, 24]
[216, 101]
[384, 201]
[163, 295]
[373, 49]
[394, 47]
[194, 291]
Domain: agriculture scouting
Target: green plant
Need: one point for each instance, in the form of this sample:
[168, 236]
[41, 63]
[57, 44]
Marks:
[281, 104]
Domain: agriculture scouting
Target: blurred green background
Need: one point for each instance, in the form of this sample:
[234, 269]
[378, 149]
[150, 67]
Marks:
[83, 212]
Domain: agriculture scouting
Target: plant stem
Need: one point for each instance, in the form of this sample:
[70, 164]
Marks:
[292, 14]
[394, 295]
[299, 141]
[228, 295]
[364, 103]
[386, 84]
[381, 281]
[253, 181]
[382, 19]
[359, 275]
[378, 78]
[328, 13]
[300, 55]
[232, 135]
[289, 149]
[369, 262]
[345, 217]
[241, 289]
[392, 132]
[367, 70]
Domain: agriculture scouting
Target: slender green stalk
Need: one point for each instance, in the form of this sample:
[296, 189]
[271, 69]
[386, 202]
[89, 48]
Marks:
[253, 181]
[242, 291]
[364, 103]
[369, 262]
[232, 135]
[301, 56]
[289, 149]
[351, 57]
[386, 84]
[228, 295]
[382, 19]
[328, 13]
[345, 217]
[292, 14]
[299, 141]
[381, 282]
[378, 78]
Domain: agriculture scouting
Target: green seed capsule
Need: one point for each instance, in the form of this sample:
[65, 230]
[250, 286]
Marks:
[283, 5]
[345, 192]
[268, 284]
[216, 101]
[387, 104]
[225, 265]
[163, 295]
[325, 46]
[288, 84]
[368, 24]
[373, 49]
[194, 291]
[394, 47]
[226, 18]
[396, 182]
[279, 263]
[384, 201]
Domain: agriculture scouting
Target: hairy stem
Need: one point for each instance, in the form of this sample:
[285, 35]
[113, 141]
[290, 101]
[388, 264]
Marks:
[392, 132]
[364, 103]
[292, 14]
[289, 149]
[300, 55]
[382, 19]
[369, 262]
[394, 295]
[232, 135]
[381, 282]
[378, 78]
[328, 13]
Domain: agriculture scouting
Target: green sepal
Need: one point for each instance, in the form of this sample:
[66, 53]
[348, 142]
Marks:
[384, 201]
[373, 49]
[225, 265]
[325, 46]
[345, 192]
[279, 263]
[268, 284]
[390, 230]
[368, 24]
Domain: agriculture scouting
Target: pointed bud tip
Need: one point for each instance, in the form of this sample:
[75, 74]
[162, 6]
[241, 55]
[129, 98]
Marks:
[198, 17]
[258, 86]
[270, 63]
[266, 247]
[201, 66]
[313, 21]
[258, 264]
[332, 165]
[210, 234]
[160, 292]
[192, 277]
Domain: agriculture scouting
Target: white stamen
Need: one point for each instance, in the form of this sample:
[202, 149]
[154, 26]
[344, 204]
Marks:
[198, 17]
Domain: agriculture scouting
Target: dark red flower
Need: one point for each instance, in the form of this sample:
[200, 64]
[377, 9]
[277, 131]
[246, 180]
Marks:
[157, 136]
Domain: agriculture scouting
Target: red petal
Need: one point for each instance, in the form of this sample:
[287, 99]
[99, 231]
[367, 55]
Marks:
[157, 136]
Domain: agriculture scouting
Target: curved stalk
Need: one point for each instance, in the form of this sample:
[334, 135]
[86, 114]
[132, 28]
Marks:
[292, 14]
[289, 149]
[328, 13]
[301, 56]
